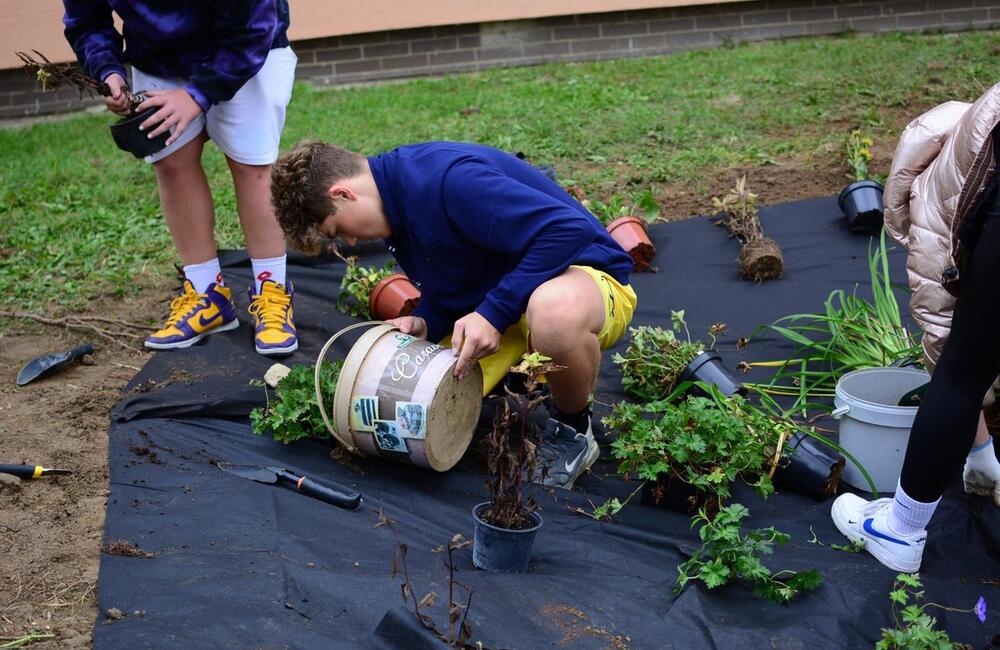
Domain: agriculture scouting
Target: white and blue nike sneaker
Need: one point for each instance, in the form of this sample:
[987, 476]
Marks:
[868, 522]
[563, 455]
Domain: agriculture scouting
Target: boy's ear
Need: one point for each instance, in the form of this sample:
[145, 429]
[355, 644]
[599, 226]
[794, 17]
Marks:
[341, 191]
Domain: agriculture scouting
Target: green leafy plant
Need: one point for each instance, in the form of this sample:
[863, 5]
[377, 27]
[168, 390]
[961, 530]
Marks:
[293, 414]
[851, 333]
[357, 285]
[727, 554]
[859, 153]
[644, 205]
[707, 442]
[655, 357]
[915, 629]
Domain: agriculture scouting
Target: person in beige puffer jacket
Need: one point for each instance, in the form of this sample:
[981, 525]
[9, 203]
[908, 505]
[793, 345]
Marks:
[942, 202]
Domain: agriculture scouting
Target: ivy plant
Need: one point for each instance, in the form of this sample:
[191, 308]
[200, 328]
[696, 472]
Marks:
[357, 285]
[727, 554]
[293, 413]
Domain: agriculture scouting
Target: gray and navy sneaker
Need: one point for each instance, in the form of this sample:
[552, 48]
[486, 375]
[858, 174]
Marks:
[564, 454]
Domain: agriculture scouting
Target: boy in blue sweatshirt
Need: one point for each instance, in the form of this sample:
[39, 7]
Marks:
[212, 69]
[501, 254]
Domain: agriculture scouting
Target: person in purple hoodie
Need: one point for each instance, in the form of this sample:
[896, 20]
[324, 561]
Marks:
[219, 69]
[504, 258]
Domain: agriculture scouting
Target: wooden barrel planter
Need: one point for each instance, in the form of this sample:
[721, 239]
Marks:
[397, 398]
[393, 297]
[630, 233]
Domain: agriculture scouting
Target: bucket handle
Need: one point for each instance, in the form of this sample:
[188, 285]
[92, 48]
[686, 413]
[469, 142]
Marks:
[836, 413]
[319, 397]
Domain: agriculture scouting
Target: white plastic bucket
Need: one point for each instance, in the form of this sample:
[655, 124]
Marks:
[872, 426]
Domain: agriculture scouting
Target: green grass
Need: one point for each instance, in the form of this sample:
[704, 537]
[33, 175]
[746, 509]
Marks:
[81, 219]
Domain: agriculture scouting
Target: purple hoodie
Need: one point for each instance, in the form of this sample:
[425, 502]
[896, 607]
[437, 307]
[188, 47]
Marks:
[217, 45]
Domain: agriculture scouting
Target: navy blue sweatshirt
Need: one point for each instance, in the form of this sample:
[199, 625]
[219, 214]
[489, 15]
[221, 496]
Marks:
[479, 230]
[217, 45]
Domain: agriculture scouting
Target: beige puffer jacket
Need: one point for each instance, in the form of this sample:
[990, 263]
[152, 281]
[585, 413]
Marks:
[941, 166]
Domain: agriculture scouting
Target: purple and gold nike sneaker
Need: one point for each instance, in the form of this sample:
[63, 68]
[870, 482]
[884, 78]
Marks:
[194, 316]
[274, 328]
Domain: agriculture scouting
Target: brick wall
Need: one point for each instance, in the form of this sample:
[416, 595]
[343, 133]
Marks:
[459, 48]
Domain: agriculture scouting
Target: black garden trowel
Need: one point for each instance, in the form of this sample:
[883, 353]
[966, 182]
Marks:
[49, 363]
[309, 487]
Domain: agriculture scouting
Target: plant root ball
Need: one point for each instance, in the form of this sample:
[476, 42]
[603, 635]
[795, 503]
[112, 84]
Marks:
[642, 256]
[761, 260]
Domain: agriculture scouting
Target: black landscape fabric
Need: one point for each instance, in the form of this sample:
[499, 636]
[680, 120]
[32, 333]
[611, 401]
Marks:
[238, 564]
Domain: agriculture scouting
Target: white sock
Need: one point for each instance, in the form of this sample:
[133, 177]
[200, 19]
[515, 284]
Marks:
[269, 268]
[908, 516]
[204, 274]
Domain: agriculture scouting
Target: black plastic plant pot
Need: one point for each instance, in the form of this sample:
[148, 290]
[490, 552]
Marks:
[671, 493]
[502, 550]
[707, 367]
[861, 203]
[129, 138]
[813, 470]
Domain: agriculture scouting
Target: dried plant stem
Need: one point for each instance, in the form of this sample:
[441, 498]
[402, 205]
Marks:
[117, 334]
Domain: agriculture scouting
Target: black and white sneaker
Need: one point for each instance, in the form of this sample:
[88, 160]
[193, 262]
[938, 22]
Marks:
[564, 454]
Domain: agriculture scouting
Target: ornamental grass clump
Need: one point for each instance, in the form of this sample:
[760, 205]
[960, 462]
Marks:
[706, 442]
[357, 284]
[656, 358]
[851, 333]
[727, 554]
[760, 257]
[293, 413]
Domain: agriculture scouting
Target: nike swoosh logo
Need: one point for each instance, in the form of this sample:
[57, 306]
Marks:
[205, 323]
[571, 467]
[871, 531]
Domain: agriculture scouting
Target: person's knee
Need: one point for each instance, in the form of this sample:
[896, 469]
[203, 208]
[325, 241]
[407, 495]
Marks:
[558, 317]
[257, 174]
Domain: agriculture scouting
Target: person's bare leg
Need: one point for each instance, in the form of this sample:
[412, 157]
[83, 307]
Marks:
[565, 315]
[253, 202]
[187, 204]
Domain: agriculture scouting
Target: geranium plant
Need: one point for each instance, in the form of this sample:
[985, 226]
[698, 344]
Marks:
[915, 628]
[706, 442]
[656, 357]
[292, 414]
[728, 554]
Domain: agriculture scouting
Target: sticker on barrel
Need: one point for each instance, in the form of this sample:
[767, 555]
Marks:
[387, 436]
[364, 412]
[411, 419]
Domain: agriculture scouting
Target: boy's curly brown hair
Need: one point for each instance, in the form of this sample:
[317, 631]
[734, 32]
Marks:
[299, 182]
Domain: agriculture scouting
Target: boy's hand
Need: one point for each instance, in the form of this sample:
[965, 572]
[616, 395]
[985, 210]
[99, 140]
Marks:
[118, 102]
[412, 325]
[472, 339]
[177, 109]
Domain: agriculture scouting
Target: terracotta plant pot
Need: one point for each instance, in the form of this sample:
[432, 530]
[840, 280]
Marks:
[393, 297]
[630, 233]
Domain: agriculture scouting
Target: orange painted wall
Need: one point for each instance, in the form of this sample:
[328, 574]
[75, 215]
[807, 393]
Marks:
[38, 24]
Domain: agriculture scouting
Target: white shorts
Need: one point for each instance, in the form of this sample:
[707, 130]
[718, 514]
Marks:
[248, 126]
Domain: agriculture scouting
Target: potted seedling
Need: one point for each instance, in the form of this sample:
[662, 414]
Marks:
[760, 257]
[861, 201]
[126, 131]
[628, 229]
[378, 293]
[656, 361]
[506, 525]
[690, 452]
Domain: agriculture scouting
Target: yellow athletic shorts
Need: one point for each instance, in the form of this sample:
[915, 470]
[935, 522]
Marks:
[619, 305]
